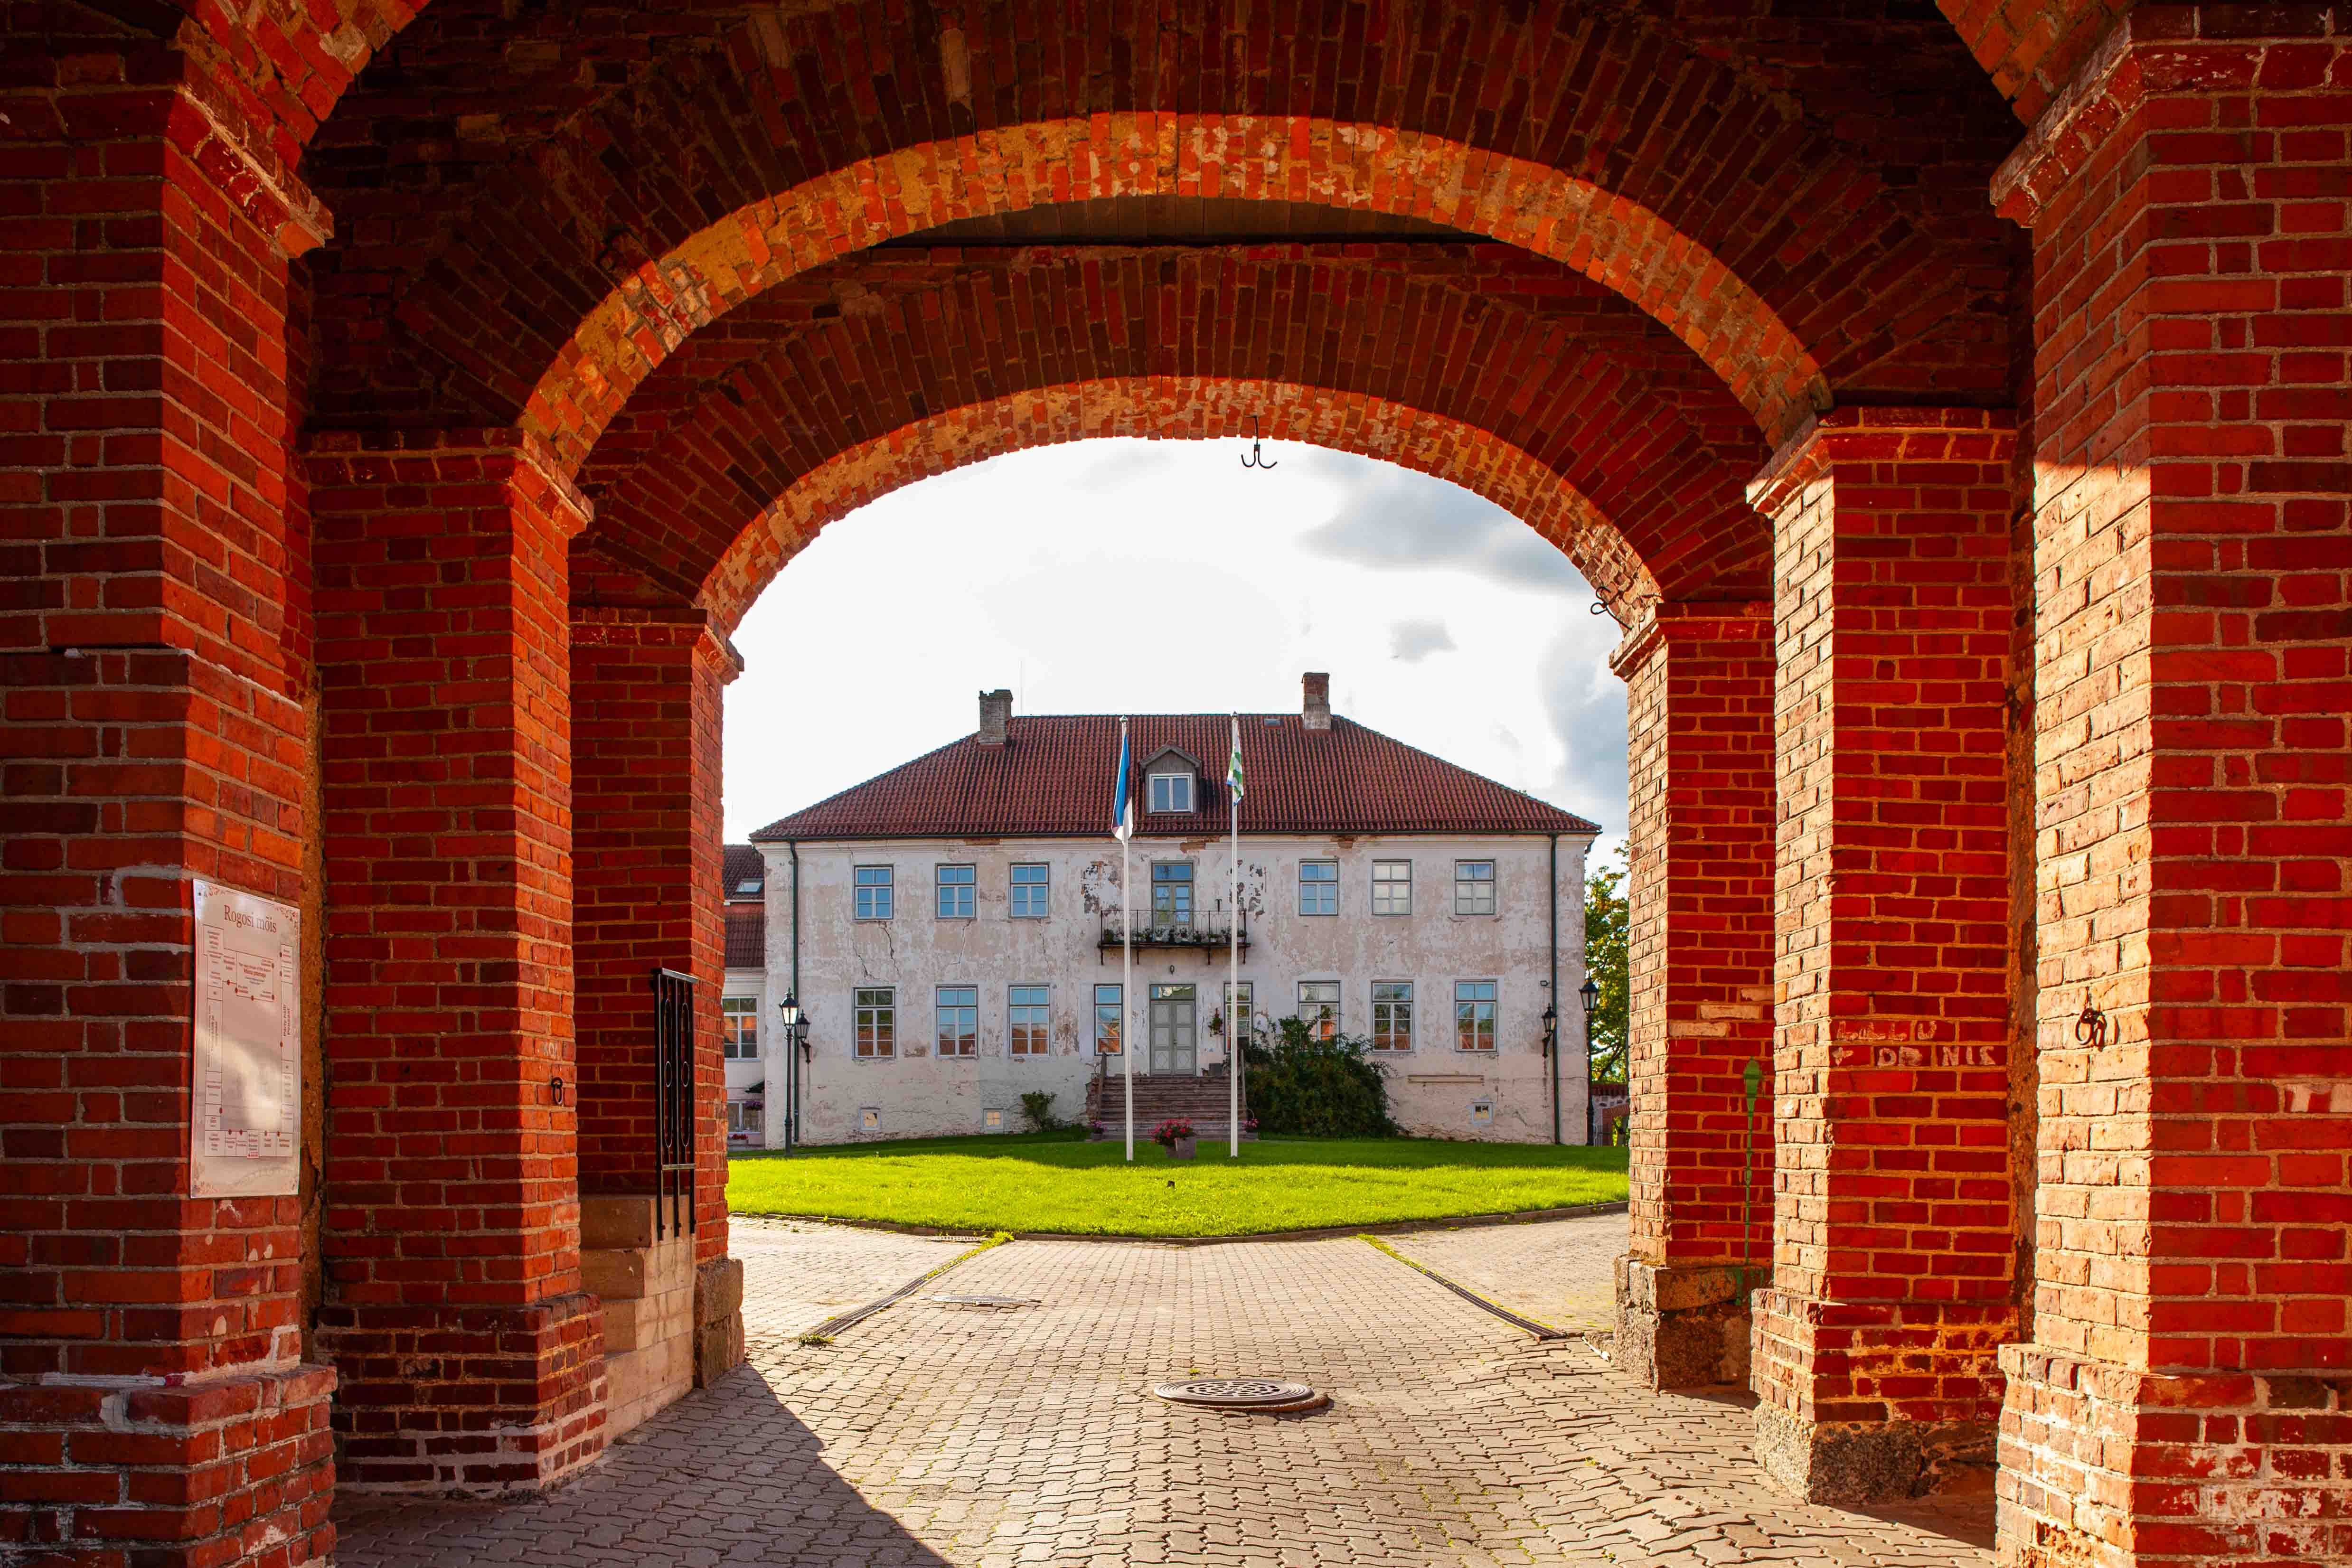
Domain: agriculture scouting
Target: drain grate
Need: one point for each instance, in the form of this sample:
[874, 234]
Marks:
[1261, 1396]
[981, 1301]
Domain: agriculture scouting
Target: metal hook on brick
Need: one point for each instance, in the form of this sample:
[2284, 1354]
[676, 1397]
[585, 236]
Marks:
[2090, 1025]
[1255, 456]
[556, 1084]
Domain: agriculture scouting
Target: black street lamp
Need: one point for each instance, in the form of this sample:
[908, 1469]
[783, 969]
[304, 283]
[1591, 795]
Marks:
[796, 1050]
[1589, 994]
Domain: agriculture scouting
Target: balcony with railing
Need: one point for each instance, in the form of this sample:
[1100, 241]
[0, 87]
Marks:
[1209, 933]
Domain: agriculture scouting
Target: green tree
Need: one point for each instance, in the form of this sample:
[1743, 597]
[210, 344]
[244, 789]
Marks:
[1607, 918]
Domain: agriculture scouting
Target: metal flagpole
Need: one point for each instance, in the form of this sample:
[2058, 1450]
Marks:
[1233, 1024]
[1124, 828]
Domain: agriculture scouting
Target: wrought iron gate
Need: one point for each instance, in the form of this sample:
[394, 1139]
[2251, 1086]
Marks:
[672, 1102]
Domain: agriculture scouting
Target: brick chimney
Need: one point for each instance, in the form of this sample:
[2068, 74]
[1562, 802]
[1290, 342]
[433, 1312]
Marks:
[995, 715]
[1317, 710]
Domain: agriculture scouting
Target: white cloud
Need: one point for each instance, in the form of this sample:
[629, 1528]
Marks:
[1413, 641]
[1112, 576]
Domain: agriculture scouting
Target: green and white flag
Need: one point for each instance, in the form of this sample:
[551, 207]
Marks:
[1234, 768]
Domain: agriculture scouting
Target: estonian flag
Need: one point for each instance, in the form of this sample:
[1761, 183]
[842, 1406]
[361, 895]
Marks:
[1122, 810]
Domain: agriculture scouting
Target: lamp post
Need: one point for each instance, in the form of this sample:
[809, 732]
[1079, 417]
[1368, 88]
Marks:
[1589, 994]
[1551, 1063]
[795, 1047]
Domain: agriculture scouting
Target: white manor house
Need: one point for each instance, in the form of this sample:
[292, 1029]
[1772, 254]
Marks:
[950, 930]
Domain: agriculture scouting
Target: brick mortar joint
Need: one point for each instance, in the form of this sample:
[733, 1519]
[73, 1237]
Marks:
[1694, 620]
[2106, 86]
[323, 452]
[1823, 443]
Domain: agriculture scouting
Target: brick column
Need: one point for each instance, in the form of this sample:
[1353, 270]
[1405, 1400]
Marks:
[2187, 1395]
[646, 686]
[471, 1358]
[1893, 1229]
[1699, 704]
[155, 676]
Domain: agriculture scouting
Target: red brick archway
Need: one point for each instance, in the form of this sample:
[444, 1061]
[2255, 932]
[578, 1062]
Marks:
[1177, 408]
[1293, 158]
[1571, 408]
[362, 676]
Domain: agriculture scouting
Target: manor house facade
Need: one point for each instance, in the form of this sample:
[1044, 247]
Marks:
[951, 928]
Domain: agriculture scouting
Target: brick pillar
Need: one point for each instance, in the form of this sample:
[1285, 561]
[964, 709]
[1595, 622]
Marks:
[1892, 1227]
[471, 1357]
[1699, 707]
[2187, 1395]
[646, 690]
[155, 675]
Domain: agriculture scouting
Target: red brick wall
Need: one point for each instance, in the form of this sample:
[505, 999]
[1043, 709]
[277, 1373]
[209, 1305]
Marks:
[1699, 833]
[154, 659]
[1893, 1225]
[453, 1203]
[2184, 1398]
[645, 689]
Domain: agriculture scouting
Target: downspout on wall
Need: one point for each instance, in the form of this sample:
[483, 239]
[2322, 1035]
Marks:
[1553, 1003]
[791, 1046]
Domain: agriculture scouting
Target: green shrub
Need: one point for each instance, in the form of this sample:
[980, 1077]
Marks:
[1038, 1107]
[1316, 1088]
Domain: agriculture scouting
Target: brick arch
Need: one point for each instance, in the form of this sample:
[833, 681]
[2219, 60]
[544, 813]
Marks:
[1614, 242]
[1527, 352]
[479, 233]
[1182, 408]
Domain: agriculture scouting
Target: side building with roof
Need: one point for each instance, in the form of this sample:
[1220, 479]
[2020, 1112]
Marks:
[955, 924]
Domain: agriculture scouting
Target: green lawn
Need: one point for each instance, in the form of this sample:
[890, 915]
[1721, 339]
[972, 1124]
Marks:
[1057, 1182]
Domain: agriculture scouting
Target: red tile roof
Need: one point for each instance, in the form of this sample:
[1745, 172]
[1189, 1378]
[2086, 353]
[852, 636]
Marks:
[741, 863]
[747, 939]
[1052, 778]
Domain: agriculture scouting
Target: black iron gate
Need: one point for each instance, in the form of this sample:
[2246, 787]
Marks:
[672, 1102]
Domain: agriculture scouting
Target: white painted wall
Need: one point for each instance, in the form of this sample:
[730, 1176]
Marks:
[1431, 1088]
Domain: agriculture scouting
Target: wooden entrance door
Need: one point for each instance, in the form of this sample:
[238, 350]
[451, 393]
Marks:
[1174, 1037]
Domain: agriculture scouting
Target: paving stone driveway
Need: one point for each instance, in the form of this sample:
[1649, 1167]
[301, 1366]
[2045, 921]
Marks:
[944, 1434]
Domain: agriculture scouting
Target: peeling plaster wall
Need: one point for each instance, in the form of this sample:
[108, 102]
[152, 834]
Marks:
[919, 1095]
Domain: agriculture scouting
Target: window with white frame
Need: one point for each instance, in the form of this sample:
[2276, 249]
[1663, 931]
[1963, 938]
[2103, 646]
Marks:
[959, 1011]
[1318, 1008]
[744, 1119]
[1393, 887]
[1172, 791]
[1237, 1016]
[1171, 893]
[958, 890]
[878, 1023]
[1110, 1013]
[874, 890]
[1392, 1015]
[1318, 887]
[1028, 889]
[1029, 1019]
[1474, 887]
[1474, 1015]
[738, 1027]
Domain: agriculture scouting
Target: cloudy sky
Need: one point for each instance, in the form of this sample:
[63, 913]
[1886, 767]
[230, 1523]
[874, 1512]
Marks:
[1162, 577]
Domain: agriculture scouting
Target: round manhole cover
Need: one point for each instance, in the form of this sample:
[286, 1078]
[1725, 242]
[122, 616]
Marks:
[1259, 1394]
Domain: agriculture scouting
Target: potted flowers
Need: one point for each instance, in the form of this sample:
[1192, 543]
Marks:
[1175, 1135]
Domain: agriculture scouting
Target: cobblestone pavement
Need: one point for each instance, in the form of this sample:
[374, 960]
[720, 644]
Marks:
[995, 1436]
[1557, 1272]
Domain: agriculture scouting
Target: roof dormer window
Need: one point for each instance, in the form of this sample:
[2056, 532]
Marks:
[1172, 790]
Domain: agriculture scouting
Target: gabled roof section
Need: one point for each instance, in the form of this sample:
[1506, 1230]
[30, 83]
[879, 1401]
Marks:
[742, 874]
[1052, 778]
[747, 939]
